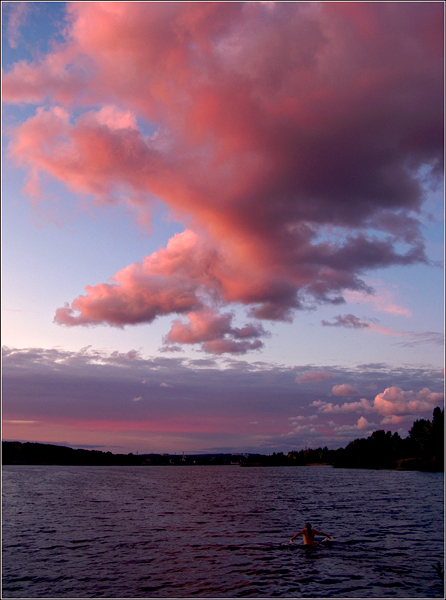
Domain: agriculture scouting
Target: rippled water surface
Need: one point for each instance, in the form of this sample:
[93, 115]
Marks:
[222, 531]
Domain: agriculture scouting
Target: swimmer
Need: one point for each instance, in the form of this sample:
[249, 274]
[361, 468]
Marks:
[309, 534]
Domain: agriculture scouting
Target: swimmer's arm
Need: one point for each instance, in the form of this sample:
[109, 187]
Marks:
[322, 533]
[297, 534]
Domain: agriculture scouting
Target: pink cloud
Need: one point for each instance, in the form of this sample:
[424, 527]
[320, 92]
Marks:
[314, 376]
[382, 301]
[215, 332]
[281, 137]
[202, 327]
[15, 15]
[329, 407]
[344, 389]
[178, 279]
[396, 402]
[166, 282]
[363, 424]
[376, 328]
[317, 403]
[396, 420]
[220, 346]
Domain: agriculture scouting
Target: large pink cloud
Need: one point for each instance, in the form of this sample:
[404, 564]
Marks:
[288, 137]
[188, 275]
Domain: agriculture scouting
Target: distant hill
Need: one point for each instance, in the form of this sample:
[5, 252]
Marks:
[49, 454]
[33, 453]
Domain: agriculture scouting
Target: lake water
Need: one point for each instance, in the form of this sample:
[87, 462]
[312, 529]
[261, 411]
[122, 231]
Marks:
[220, 532]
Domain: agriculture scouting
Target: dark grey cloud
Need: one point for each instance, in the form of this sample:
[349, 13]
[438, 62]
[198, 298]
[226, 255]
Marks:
[349, 321]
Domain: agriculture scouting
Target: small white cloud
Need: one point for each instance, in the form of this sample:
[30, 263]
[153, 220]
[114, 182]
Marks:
[317, 403]
[344, 389]
[138, 399]
[363, 423]
[301, 428]
[345, 428]
[302, 418]
[329, 407]
[164, 384]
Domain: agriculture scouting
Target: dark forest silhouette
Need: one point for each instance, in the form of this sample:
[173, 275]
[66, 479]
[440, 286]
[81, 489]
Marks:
[422, 449]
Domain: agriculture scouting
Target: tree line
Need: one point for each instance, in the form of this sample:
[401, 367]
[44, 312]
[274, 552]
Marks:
[422, 449]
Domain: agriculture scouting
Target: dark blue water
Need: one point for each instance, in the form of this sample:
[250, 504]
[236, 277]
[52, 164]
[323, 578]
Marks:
[223, 531]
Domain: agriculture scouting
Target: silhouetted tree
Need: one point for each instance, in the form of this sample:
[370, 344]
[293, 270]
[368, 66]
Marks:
[420, 436]
[438, 436]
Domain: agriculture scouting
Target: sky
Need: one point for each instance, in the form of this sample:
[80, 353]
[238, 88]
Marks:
[222, 223]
